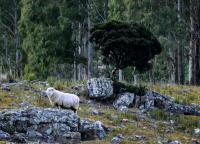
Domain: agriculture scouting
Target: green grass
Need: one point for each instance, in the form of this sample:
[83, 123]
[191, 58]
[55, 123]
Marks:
[151, 127]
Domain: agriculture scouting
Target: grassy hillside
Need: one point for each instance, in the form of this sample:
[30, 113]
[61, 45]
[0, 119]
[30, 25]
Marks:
[154, 126]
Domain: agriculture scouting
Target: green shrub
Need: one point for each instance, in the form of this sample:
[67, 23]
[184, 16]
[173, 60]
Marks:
[59, 85]
[120, 87]
[51, 80]
[159, 114]
[30, 76]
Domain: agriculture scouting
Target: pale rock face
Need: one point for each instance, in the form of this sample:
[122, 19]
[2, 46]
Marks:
[100, 88]
[125, 99]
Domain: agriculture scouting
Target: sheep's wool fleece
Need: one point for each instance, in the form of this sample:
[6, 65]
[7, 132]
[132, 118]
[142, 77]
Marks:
[65, 99]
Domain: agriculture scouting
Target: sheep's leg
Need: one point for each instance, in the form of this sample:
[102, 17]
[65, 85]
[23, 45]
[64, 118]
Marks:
[52, 104]
[58, 106]
[73, 109]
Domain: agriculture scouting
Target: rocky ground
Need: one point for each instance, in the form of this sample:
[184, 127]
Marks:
[158, 120]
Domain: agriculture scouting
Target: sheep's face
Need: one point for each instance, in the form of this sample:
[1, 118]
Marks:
[50, 91]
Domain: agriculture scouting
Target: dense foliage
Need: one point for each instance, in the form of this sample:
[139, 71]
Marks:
[40, 38]
[124, 44]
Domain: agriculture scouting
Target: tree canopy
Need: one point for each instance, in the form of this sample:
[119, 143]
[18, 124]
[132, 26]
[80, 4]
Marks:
[125, 44]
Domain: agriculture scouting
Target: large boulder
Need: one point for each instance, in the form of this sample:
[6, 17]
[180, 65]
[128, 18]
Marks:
[125, 99]
[91, 131]
[47, 125]
[155, 100]
[100, 88]
[38, 124]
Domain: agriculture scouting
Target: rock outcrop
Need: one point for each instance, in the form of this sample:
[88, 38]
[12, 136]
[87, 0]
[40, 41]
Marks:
[155, 100]
[125, 99]
[100, 88]
[37, 124]
[47, 125]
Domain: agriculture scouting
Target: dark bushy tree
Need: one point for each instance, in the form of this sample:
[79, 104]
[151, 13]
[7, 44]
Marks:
[125, 44]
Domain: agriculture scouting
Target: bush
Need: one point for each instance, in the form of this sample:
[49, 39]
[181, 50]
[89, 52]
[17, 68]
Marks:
[51, 80]
[30, 76]
[119, 87]
[59, 85]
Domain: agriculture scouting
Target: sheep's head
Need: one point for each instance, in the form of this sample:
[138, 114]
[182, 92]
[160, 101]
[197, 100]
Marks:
[50, 91]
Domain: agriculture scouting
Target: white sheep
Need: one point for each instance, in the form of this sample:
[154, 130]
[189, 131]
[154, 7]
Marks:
[61, 99]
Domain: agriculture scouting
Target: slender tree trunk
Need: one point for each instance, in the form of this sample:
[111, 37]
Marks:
[89, 46]
[179, 57]
[120, 75]
[105, 9]
[195, 41]
[5, 47]
[190, 51]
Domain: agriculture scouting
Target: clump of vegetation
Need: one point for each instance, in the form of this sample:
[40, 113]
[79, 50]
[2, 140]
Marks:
[184, 122]
[120, 87]
[183, 94]
[125, 44]
[59, 85]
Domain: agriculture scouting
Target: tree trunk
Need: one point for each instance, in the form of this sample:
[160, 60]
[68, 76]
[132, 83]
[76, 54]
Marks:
[195, 41]
[105, 9]
[120, 75]
[113, 73]
[179, 52]
[89, 46]
[136, 79]
[190, 63]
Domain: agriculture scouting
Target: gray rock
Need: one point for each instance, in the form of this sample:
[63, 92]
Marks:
[5, 87]
[25, 104]
[13, 104]
[87, 130]
[153, 100]
[137, 138]
[4, 135]
[100, 129]
[125, 99]
[118, 139]
[195, 141]
[123, 109]
[182, 109]
[96, 112]
[197, 131]
[91, 131]
[38, 124]
[100, 88]
[19, 138]
[174, 142]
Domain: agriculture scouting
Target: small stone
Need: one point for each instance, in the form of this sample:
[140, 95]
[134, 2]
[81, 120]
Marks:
[25, 104]
[96, 112]
[5, 87]
[49, 131]
[197, 131]
[19, 138]
[175, 142]
[100, 129]
[195, 141]
[117, 139]
[13, 104]
[115, 116]
[123, 109]
[125, 120]
[4, 135]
